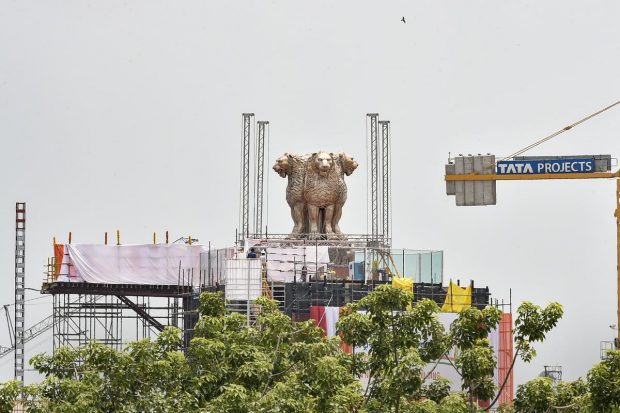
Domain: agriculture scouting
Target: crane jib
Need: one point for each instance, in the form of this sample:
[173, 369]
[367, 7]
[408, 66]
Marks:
[546, 166]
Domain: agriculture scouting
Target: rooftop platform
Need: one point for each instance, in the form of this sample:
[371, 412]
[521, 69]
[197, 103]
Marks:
[341, 240]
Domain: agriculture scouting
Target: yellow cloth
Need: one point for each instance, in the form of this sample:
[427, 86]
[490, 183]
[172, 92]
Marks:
[403, 283]
[457, 299]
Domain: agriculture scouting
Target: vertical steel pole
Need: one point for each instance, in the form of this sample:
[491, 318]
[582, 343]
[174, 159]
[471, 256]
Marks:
[245, 175]
[374, 175]
[385, 167]
[617, 214]
[260, 170]
[20, 288]
[247, 302]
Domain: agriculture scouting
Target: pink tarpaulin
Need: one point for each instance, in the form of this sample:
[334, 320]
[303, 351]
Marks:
[136, 264]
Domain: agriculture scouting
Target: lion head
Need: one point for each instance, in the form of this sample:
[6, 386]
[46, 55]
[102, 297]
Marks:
[282, 165]
[287, 164]
[322, 162]
[349, 165]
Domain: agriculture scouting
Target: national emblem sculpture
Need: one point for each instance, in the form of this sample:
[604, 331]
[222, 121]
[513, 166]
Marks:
[316, 189]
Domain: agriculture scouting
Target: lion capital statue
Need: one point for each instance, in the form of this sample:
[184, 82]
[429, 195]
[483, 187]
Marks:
[316, 184]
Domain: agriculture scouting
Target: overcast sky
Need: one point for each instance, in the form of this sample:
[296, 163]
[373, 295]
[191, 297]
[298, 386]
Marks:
[127, 114]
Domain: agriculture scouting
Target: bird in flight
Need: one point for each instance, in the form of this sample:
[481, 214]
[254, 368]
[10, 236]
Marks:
[403, 20]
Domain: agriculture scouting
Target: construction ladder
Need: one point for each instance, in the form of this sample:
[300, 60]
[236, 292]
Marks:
[20, 288]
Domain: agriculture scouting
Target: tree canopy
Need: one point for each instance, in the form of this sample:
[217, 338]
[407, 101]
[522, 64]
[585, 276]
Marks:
[598, 393]
[278, 365]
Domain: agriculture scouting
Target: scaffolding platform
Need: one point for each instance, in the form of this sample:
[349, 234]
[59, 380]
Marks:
[115, 314]
[142, 290]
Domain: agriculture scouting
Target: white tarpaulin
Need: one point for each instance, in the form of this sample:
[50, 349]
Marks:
[444, 367]
[156, 264]
[283, 262]
[243, 279]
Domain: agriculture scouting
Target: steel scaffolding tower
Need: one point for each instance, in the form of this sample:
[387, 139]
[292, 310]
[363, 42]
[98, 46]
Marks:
[20, 288]
[245, 176]
[374, 175]
[115, 314]
[385, 166]
[260, 170]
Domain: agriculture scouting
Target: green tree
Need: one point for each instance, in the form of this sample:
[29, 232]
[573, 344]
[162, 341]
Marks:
[604, 383]
[400, 339]
[277, 365]
[532, 325]
[572, 397]
[394, 331]
[535, 396]
[475, 360]
[437, 389]
[600, 393]
[8, 394]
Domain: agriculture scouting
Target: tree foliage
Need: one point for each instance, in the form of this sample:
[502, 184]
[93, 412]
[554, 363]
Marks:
[604, 383]
[599, 393]
[278, 365]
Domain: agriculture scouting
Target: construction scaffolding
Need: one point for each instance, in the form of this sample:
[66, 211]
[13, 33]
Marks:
[20, 289]
[278, 262]
[552, 372]
[116, 314]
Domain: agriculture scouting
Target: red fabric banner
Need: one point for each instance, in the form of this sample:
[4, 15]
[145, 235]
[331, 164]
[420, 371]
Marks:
[59, 252]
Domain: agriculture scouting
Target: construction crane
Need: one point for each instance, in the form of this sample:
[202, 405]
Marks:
[41, 327]
[472, 178]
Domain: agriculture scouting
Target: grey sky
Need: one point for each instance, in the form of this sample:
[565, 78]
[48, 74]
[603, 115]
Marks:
[127, 114]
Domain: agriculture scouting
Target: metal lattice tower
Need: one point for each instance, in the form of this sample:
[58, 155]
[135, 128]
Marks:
[20, 288]
[260, 170]
[553, 372]
[385, 166]
[245, 176]
[374, 175]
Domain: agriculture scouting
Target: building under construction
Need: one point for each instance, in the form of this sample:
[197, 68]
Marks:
[114, 293]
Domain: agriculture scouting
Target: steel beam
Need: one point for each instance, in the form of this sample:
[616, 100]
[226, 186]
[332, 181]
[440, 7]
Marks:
[142, 313]
[530, 177]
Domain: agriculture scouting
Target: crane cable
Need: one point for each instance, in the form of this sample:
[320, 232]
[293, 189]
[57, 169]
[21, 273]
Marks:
[553, 135]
